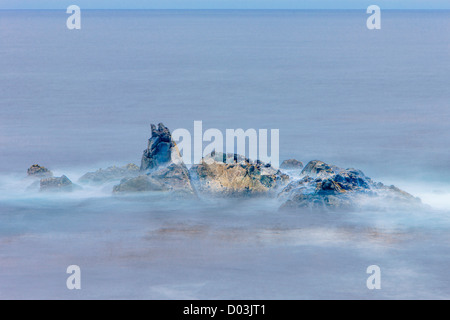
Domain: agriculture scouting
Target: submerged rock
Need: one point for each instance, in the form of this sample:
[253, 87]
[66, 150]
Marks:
[139, 184]
[61, 184]
[173, 178]
[238, 176]
[317, 168]
[102, 176]
[38, 171]
[292, 164]
[325, 186]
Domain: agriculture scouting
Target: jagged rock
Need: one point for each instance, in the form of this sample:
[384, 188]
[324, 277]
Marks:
[161, 149]
[61, 184]
[142, 183]
[239, 178]
[330, 187]
[110, 174]
[162, 162]
[38, 171]
[292, 164]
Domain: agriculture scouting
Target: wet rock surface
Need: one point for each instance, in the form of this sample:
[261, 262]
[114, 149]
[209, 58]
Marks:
[161, 149]
[324, 186]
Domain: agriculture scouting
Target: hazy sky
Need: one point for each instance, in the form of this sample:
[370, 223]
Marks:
[225, 4]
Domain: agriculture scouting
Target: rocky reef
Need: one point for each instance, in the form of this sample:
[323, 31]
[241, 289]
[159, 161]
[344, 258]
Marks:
[324, 186]
[319, 186]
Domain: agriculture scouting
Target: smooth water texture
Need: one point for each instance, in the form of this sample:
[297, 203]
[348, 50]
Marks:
[75, 101]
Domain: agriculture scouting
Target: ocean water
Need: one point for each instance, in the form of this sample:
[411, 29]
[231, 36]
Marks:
[76, 101]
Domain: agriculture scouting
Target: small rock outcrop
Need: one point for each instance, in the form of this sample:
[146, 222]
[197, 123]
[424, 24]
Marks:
[291, 164]
[234, 175]
[37, 171]
[317, 168]
[102, 176]
[324, 186]
[61, 184]
[161, 162]
[174, 177]
[139, 184]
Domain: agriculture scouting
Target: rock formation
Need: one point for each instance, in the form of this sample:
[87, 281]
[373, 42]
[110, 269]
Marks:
[161, 149]
[291, 164]
[110, 174]
[238, 177]
[162, 163]
[319, 186]
[37, 171]
[61, 184]
[139, 184]
[324, 186]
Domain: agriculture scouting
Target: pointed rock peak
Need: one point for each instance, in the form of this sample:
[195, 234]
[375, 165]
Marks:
[161, 132]
[161, 149]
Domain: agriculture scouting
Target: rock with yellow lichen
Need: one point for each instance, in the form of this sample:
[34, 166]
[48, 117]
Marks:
[37, 171]
[234, 175]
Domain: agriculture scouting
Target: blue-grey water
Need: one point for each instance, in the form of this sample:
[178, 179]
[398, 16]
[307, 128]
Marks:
[75, 101]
